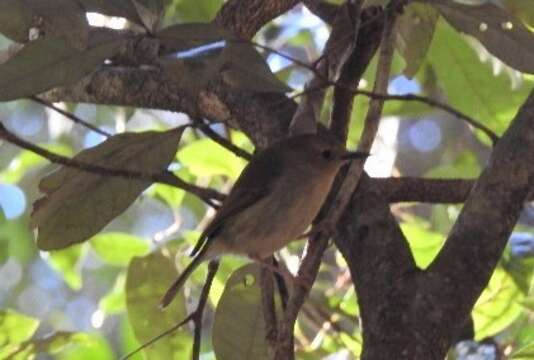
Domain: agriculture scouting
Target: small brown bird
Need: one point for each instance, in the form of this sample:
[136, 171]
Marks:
[274, 200]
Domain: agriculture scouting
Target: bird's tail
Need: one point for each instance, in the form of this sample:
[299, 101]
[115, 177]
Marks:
[178, 283]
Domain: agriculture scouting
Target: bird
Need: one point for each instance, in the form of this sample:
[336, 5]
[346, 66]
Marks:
[273, 201]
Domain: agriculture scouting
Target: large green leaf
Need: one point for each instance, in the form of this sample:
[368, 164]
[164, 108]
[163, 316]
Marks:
[88, 347]
[498, 306]
[118, 248]
[79, 204]
[469, 85]
[147, 280]
[239, 326]
[60, 18]
[50, 62]
[502, 34]
[115, 300]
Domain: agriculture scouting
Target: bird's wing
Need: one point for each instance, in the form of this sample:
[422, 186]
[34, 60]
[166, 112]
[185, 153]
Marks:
[253, 184]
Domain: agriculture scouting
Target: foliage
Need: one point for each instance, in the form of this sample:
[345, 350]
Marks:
[108, 247]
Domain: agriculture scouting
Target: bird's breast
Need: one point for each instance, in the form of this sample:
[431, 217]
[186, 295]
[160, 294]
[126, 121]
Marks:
[276, 219]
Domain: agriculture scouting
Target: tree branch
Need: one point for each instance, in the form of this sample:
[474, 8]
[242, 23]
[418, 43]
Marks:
[75, 119]
[245, 17]
[475, 244]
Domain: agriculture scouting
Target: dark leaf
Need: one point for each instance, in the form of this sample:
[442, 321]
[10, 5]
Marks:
[239, 327]
[415, 29]
[78, 204]
[63, 18]
[500, 32]
[50, 62]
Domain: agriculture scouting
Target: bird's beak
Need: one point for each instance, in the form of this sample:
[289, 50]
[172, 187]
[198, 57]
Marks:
[354, 155]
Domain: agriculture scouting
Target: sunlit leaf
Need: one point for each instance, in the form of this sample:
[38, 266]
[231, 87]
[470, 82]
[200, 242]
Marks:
[50, 344]
[27, 160]
[498, 306]
[206, 158]
[67, 263]
[89, 347]
[469, 85]
[194, 10]
[239, 327]
[115, 300]
[424, 243]
[147, 280]
[16, 327]
[524, 353]
[118, 248]
[465, 165]
[78, 204]
[50, 62]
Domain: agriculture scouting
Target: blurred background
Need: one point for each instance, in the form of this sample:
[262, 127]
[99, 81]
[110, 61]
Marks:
[78, 295]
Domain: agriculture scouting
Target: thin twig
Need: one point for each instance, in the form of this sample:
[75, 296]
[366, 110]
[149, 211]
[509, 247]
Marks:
[195, 316]
[374, 95]
[213, 135]
[165, 177]
[159, 336]
[318, 242]
[74, 118]
[268, 305]
[213, 266]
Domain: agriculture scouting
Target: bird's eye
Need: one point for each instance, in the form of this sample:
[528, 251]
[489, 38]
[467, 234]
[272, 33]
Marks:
[326, 154]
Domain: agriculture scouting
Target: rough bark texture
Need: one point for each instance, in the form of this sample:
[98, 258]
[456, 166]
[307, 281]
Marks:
[412, 314]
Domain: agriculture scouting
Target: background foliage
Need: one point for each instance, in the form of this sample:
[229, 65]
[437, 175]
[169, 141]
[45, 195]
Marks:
[97, 299]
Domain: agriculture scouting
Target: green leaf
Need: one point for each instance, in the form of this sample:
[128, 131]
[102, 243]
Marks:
[206, 158]
[58, 18]
[16, 327]
[114, 301]
[49, 345]
[186, 10]
[67, 263]
[88, 347]
[147, 280]
[501, 34]
[465, 165]
[498, 306]
[415, 29]
[22, 165]
[78, 204]
[524, 353]
[239, 327]
[424, 243]
[470, 86]
[50, 62]
[170, 195]
[118, 248]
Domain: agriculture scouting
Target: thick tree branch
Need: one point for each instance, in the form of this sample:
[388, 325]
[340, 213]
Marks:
[245, 17]
[381, 266]
[464, 266]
